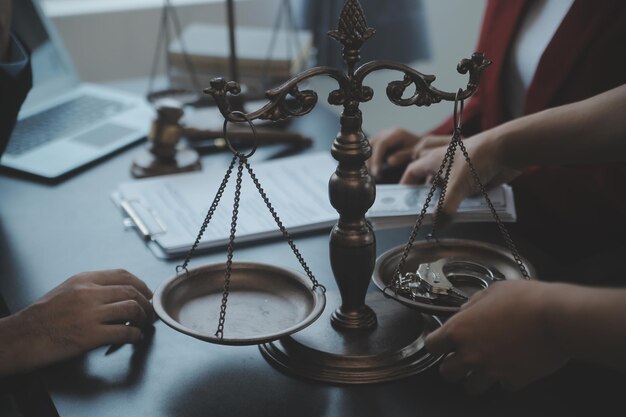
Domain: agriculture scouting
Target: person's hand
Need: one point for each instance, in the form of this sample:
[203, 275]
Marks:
[397, 147]
[487, 158]
[500, 335]
[88, 310]
[5, 26]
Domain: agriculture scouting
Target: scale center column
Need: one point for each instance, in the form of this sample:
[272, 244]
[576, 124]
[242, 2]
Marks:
[353, 344]
[352, 241]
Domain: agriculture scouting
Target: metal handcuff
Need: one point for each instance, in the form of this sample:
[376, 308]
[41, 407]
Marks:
[435, 282]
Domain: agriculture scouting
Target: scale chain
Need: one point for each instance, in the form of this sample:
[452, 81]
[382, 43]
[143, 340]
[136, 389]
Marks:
[209, 216]
[450, 152]
[503, 231]
[231, 245]
[447, 164]
[418, 224]
[231, 248]
[283, 229]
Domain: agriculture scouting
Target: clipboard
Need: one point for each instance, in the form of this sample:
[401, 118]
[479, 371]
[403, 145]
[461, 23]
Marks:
[167, 211]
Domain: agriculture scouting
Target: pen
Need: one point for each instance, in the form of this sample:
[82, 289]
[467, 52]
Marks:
[116, 347]
[111, 349]
[146, 332]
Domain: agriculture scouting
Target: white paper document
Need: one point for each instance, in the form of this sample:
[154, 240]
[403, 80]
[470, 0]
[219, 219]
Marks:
[400, 205]
[169, 210]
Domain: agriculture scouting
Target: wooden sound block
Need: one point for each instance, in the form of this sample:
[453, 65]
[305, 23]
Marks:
[146, 164]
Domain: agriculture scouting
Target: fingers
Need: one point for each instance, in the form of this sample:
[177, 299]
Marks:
[117, 277]
[117, 293]
[477, 383]
[438, 342]
[460, 186]
[427, 143]
[453, 368]
[383, 144]
[417, 171]
[478, 295]
[511, 386]
[123, 296]
[400, 158]
[119, 334]
[428, 159]
[398, 147]
[125, 311]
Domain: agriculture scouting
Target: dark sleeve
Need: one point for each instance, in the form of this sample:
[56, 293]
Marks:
[15, 82]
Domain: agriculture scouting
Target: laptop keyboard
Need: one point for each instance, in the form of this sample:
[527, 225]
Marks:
[60, 121]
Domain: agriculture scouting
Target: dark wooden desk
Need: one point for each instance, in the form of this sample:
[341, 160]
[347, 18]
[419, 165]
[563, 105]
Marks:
[49, 232]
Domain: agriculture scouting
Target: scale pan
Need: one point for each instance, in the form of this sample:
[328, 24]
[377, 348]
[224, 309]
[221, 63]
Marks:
[265, 303]
[496, 258]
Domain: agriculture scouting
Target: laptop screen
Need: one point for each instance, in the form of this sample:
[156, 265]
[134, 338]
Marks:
[52, 70]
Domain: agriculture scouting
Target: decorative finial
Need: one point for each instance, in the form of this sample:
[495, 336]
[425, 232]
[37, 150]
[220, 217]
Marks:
[352, 31]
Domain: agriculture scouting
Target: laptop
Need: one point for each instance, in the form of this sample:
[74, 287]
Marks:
[65, 124]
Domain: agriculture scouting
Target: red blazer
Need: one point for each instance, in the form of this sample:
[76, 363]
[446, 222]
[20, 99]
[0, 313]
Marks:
[566, 206]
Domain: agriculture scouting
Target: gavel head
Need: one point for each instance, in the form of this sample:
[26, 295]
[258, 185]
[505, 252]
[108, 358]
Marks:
[166, 129]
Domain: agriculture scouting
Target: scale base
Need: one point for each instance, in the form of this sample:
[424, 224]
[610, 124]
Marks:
[392, 350]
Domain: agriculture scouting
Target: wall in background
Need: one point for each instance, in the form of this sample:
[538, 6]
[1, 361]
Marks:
[119, 44]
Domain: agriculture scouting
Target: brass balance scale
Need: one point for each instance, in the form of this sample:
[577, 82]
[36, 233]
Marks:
[368, 338]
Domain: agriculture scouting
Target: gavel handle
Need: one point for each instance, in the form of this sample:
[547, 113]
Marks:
[243, 135]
